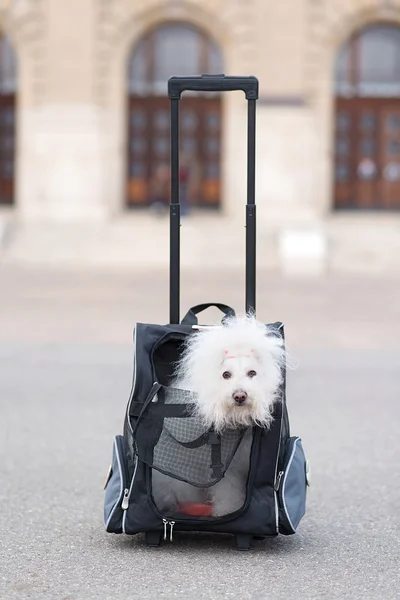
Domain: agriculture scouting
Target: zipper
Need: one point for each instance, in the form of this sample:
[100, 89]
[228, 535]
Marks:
[276, 475]
[125, 500]
[133, 382]
[284, 475]
[165, 528]
[119, 452]
[278, 480]
[128, 491]
[171, 525]
[127, 495]
[276, 511]
[294, 441]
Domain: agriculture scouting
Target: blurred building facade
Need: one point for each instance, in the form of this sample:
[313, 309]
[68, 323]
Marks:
[84, 127]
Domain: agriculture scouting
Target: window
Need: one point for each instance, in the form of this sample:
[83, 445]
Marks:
[369, 63]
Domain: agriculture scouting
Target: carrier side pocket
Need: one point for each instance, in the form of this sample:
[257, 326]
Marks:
[116, 487]
[292, 487]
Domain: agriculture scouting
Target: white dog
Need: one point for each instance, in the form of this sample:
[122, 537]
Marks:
[235, 371]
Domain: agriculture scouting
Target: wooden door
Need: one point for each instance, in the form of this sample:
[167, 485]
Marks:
[367, 153]
[389, 131]
[367, 131]
[7, 150]
[149, 150]
[173, 48]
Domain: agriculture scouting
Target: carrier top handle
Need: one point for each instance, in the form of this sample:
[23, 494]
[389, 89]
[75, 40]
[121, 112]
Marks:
[212, 83]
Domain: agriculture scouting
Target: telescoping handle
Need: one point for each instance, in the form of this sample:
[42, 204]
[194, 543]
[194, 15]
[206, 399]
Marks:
[212, 83]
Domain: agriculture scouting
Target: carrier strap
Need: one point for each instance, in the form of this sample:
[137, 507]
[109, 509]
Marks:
[216, 456]
[209, 437]
[201, 441]
[160, 409]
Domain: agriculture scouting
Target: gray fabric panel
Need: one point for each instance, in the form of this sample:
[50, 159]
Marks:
[191, 464]
[295, 486]
[115, 487]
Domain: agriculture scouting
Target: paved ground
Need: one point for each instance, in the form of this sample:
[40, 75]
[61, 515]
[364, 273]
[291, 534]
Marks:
[65, 374]
[354, 242]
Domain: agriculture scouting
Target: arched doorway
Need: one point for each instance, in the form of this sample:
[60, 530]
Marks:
[367, 132]
[173, 49]
[7, 120]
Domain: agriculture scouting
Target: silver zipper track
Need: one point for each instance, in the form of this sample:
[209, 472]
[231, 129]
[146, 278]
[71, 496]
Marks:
[127, 497]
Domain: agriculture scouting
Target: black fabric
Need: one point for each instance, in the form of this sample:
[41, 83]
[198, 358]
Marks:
[165, 357]
[161, 410]
[216, 455]
[155, 388]
[204, 438]
[191, 316]
[149, 340]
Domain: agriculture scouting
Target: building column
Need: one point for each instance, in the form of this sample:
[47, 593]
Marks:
[61, 141]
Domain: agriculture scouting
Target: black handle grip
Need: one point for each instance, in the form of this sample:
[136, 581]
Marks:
[191, 319]
[213, 83]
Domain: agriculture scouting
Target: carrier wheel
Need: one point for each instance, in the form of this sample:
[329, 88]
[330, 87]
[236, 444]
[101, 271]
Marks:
[153, 538]
[243, 541]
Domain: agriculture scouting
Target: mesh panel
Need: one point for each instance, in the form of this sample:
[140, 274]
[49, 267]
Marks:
[188, 451]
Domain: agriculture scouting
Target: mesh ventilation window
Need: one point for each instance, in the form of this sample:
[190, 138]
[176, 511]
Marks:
[187, 450]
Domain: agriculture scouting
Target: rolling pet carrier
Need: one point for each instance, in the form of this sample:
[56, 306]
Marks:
[162, 438]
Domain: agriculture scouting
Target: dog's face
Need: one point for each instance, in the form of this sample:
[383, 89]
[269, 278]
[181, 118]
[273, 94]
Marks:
[241, 379]
[241, 390]
[235, 372]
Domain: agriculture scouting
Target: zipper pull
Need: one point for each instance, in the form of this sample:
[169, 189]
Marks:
[165, 528]
[278, 480]
[125, 499]
[155, 399]
[171, 524]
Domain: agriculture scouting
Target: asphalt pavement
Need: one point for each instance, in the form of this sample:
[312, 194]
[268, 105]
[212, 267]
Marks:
[65, 376]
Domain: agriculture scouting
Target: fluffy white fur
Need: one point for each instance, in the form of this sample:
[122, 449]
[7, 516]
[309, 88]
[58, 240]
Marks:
[240, 347]
[235, 372]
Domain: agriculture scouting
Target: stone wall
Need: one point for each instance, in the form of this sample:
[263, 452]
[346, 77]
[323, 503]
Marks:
[72, 132]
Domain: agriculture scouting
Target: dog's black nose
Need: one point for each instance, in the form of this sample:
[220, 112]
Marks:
[239, 397]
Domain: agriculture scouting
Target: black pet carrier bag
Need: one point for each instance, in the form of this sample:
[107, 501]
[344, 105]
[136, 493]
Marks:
[164, 446]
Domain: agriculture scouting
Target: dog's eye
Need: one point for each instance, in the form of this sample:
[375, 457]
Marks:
[251, 374]
[226, 375]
